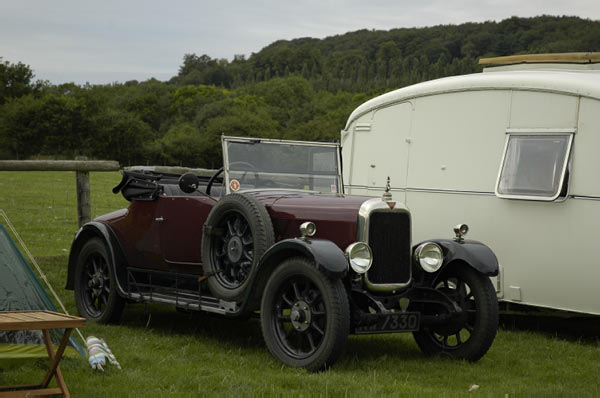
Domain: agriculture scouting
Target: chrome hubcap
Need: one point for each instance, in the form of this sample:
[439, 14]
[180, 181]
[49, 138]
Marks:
[96, 283]
[234, 249]
[300, 316]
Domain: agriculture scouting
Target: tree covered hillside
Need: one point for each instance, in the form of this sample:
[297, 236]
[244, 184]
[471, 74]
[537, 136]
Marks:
[364, 60]
[299, 89]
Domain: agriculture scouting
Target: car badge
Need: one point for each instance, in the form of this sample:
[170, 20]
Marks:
[387, 195]
[234, 185]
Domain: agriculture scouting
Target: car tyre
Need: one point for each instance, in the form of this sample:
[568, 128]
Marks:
[96, 296]
[470, 335]
[237, 232]
[305, 315]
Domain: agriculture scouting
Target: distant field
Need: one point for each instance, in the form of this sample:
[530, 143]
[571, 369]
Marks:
[42, 206]
[167, 353]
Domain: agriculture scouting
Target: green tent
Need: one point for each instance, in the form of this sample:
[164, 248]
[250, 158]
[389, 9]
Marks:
[21, 290]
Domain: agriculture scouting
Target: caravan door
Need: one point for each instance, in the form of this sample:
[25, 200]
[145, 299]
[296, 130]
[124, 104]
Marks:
[376, 146]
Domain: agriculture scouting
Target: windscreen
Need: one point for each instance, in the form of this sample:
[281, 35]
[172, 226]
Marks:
[267, 165]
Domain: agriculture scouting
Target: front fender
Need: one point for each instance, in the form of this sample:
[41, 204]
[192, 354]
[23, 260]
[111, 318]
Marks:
[473, 253]
[104, 232]
[326, 255]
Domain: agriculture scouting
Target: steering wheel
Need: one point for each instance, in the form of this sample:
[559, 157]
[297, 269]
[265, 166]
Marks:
[212, 180]
[220, 171]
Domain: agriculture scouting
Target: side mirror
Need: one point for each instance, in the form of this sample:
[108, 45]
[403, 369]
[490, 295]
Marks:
[189, 182]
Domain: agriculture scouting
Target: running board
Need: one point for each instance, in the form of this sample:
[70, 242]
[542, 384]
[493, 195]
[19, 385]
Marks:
[202, 303]
[174, 289]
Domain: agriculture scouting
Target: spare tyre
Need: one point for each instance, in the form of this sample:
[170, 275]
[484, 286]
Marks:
[237, 233]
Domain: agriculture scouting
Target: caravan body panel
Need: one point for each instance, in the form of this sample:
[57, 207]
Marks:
[444, 158]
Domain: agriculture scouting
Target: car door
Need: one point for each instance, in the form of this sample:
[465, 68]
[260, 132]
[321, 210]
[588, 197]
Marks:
[139, 235]
[181, 221]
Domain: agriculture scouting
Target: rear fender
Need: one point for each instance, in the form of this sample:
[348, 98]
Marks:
[91, 230]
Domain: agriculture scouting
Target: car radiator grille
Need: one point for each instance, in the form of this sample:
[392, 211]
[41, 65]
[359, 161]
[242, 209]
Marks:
[389, 238]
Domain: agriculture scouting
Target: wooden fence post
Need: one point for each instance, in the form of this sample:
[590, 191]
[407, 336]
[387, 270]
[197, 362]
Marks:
[82, 168]
[84, 200]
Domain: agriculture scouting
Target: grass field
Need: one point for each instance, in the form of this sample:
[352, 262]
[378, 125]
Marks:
[167, 353]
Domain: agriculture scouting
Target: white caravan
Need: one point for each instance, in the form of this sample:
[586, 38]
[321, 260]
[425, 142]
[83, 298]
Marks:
[514, 152]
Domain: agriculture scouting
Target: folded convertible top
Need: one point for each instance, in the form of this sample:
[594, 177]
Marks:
[137, 185]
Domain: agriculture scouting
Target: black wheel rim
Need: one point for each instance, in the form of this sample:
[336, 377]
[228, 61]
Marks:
[233, 251]
[299, 317]
[95, 284]
[460, 330]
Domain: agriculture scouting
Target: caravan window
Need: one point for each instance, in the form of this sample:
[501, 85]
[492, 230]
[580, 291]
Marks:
[534, 166]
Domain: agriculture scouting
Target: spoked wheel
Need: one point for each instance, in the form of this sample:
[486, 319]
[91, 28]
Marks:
[304, 316]
[470, 335]
[234, 251]
[96, 297]
[237, 232]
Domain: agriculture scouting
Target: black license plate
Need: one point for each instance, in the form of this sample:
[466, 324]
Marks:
[391, 323]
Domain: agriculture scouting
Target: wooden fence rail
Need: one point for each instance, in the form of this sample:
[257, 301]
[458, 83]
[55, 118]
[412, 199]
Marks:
[59, 165]
[81, 167]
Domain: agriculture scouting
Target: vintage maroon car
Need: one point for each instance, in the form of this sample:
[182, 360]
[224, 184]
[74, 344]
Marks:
[272, 234]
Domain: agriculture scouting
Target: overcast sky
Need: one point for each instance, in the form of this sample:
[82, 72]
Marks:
[107, 41]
